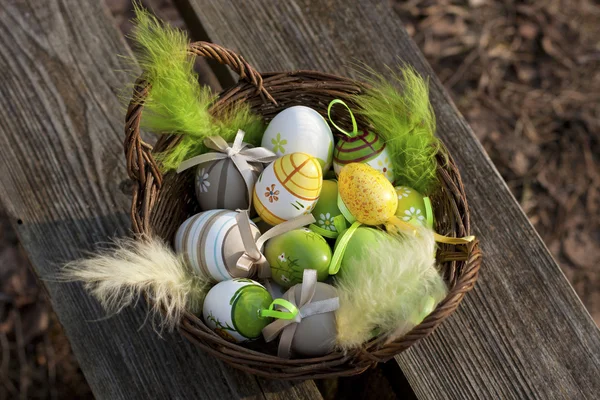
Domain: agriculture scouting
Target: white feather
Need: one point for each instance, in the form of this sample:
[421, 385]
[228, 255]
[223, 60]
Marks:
[118, 276]
[385, 290]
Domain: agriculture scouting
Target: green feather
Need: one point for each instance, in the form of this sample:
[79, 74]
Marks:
[400, 113]
[176, 103]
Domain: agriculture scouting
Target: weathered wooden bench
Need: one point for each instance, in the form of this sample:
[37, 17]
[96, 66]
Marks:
[521, 333]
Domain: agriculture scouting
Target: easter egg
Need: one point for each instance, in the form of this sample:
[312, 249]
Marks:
[365, 148]
[211, 244]
[291, 253]
[412, 207]
[359, 243]
[327, 213]
[300, 129]
[232, 309]
[287, 188]
[366, 194]
[219, 185]
[315, 335]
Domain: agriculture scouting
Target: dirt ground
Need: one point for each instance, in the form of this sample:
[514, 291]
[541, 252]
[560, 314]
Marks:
[525, 75]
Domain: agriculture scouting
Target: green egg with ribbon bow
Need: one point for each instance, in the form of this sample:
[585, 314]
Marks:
[360, 147]
[291, 253]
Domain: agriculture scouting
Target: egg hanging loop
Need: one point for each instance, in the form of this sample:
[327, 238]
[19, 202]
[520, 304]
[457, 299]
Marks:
[354, 132]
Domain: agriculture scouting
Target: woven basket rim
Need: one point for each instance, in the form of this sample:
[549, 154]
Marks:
[263, 90]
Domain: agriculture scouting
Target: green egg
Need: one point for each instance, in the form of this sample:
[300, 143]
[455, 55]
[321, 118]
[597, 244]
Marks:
[291, 253]
[361, 242]
[245, 307]
[329, 218]
[412, 207]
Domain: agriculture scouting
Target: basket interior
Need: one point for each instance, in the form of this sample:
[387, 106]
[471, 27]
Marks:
[176, 200]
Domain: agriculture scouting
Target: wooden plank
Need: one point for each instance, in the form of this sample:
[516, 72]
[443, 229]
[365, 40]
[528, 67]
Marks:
[62, 180]
[523, 332]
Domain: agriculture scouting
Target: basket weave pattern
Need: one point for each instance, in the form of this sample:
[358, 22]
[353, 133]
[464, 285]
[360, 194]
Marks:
[161, 203]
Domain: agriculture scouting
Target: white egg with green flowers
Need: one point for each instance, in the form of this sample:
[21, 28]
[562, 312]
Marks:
[300, 129]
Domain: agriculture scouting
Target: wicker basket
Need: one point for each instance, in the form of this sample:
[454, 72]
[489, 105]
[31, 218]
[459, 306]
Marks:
[161, 203]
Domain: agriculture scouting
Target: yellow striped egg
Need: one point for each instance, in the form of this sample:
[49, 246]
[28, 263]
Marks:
[287, 188]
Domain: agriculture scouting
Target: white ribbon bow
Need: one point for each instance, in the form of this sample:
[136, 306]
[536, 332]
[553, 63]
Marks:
[252, 255]
[239, 153]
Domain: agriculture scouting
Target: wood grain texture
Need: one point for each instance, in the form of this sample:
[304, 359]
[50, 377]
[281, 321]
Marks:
[62, 180]
[523, 332]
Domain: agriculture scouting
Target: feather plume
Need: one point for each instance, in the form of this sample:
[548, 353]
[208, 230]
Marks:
[176, 103]
[400, 113]
[387, 287]
[116, 277]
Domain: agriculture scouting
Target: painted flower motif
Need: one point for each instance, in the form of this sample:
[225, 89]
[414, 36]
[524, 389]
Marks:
[272, 194]
[278, 144]
[384, 166]
[326, 222]
[308, 209]
[203, 183]
[403, 192]
[413, 213]
[281, 257]
[221, 329]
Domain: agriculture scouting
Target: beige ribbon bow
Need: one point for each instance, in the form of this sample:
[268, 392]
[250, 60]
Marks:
[307, 308]
[252, 248]
[239, 153]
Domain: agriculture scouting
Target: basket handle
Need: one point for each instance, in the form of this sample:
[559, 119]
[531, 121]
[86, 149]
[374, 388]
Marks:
[141, 165]
[231, 59]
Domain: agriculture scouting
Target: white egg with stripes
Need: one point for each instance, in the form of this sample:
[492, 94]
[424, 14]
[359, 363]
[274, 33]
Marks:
[211, 244]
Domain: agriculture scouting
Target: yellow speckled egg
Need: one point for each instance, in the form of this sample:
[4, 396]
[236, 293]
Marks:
[287, 188]
[367, 194]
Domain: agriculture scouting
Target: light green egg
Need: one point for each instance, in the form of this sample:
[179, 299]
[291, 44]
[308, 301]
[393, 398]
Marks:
[291, 253]
[245, 307]
[360, 243]
[413, 207]
[328, 217]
